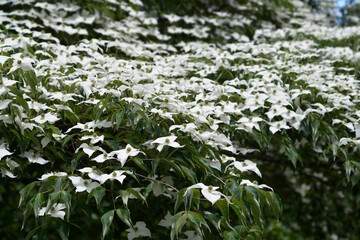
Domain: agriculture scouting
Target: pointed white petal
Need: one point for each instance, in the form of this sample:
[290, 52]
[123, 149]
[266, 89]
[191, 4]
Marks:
[212, 196]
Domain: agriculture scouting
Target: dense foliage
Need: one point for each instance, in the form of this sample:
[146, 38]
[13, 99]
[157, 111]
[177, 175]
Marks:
[232, 119]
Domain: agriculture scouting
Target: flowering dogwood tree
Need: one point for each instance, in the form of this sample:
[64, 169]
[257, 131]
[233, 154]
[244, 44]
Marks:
[177, 119]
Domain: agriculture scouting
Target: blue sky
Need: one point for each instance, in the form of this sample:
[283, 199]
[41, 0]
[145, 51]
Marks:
[340, 3]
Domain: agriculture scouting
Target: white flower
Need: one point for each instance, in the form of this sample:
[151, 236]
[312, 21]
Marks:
[166, 141]
[276, 111]
[51, 174]
[94, 138]
[103, 157]
[192, 235]
[24, 64]
[83, 184]
[254, 184]
[55, 211]
[139, 230]
[89, 149]
[248, 123]
[34, 158]
[166, 222]
[247, 165]
[90, 126]
[209, 192]
[345, 141]
[48, 117]
[3, 151]
[92, 173]
[5, 103]
[11, 163]
[5, 172]
[123, 154]
[277, 126]
[163, 113]
[117, 175]
[4, 84]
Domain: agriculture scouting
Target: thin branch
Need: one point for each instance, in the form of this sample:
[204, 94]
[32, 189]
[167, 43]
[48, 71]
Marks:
[157, 181]
[218, 178]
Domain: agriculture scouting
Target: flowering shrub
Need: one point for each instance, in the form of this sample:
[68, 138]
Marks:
[147, 119]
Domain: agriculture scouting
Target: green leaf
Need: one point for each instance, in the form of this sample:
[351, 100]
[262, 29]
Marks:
[155, 164]
[66, 198]
[25, 192]
[30, 79]
[275, 203]
[348, 169]
[179, 198]
[23, 103]
[255, 208]
[119, 118]
[315, 124]
[334, 148]
[195, 198]
[195, 218]
[124, 215]
[231, 235]
[26, 214]
[124, 196]
[113, 145]
[190, 174]
[2, 26]
[63, 230]
[106, 221]
[293, 155]
[98, 193]
[52, 199]
[178, 221]
[137, 194]
[198, 220]
[215, 220]
[240, 210]
[59, 182]
[30, 49]
[249, 237]
[67, 139]
[223, 205]
[252, 198]
[148, 190]
[140, 163]
[235, 190]
[30, 234]
[37, 202]
[355, 164]
[72, 117]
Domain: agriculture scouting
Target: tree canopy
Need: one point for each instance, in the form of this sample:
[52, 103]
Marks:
[181, 119]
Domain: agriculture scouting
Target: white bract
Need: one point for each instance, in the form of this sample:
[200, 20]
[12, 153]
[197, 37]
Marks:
[254, 184]
[246, 165]
[55, 211]
[52, 174]
[47, 117]
[22, 63]
[166, 222]
[116, 175]
[77, 100]
[209, 192]
[83, 184]
[3, 151]
[166, 141]
[34, 157]
[139, 230]
[124, 154]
